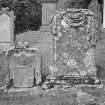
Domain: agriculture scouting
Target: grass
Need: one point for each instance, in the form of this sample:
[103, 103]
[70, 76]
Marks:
[51, 97]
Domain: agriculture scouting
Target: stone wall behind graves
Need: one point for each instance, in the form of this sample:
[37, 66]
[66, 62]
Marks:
[43, 41]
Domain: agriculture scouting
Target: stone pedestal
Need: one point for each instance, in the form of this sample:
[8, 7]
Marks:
[48, 8]
[3, 69]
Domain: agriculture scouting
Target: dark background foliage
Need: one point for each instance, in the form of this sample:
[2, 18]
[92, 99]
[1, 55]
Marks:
[27, 12]
[78, 3]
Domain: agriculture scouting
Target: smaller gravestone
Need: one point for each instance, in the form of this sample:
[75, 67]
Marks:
[24, 66]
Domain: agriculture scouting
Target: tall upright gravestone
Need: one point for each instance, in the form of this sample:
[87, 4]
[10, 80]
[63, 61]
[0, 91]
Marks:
[6, 40]
[75, 33]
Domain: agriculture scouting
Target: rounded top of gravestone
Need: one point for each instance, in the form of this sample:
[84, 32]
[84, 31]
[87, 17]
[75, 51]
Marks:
[8, 12]
[49, 0]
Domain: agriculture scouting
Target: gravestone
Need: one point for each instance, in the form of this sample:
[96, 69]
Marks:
[24, 67]
[6, 40]
[75, 38]
[6, 29]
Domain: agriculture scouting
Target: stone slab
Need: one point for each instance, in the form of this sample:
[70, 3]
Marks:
[74, 42]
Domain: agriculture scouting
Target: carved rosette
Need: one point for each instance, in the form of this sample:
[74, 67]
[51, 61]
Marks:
[75, 40]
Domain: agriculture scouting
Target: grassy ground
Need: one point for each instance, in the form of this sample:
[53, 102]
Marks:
[51, 97]
[54, 96]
